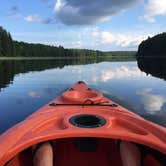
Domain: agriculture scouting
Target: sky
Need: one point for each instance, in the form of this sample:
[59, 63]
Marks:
[107, 25]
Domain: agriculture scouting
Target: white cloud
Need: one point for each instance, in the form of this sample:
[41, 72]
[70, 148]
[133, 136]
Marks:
[37, 19]
[154, 8]
[33, 18]
[107, 37]
[123, 40]
[99, 38]
[152, 102]
[59, 4]
[79, 12]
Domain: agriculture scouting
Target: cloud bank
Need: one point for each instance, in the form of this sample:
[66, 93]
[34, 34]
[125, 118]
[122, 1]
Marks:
[154, 8]
[105, 39]
[83, 12]
[123, 40]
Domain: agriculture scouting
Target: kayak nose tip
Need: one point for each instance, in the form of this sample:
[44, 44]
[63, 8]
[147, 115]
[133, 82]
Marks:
[81, 82]
[87, 121]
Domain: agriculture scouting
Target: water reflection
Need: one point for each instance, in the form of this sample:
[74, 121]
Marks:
[152, 102]
[122, 82]
[154, 66]
[9, 68]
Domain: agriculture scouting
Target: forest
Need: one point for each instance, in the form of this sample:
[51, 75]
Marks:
[151, 56]
[12, 48]
[154, 47]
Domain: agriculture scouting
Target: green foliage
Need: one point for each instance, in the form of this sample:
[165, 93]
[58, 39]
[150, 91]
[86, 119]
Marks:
[6, 43]
[153, 47]
[10, 48]
[31, 50]
[151, 56]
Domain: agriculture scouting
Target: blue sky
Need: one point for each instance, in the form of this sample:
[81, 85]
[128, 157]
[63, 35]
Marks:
[92, 24]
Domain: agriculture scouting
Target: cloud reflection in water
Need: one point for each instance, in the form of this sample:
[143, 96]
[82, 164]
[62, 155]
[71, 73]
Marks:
[152, 102]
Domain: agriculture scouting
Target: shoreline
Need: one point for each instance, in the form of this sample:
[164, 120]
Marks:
[68, 57]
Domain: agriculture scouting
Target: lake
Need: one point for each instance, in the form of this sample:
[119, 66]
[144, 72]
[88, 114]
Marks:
[26, 85]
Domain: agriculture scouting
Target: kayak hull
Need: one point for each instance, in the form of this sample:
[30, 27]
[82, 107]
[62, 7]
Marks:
[53, 122]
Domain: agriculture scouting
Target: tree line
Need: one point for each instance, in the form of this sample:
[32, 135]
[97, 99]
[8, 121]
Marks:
[12, 48]
[151, 56]
[153, 47]
[6, 43]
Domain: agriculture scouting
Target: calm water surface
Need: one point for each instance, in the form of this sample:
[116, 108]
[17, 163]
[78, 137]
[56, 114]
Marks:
[26, 85]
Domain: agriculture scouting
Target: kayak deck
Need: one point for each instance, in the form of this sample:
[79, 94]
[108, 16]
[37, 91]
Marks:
[81, 112]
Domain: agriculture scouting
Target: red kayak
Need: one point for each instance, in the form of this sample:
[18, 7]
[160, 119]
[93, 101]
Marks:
[83, 125]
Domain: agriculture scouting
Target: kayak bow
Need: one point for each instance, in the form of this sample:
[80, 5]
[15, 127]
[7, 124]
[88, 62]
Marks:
[80, 112]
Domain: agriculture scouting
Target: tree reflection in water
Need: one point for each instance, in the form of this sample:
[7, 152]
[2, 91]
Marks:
[154, 66]
[9, 68]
